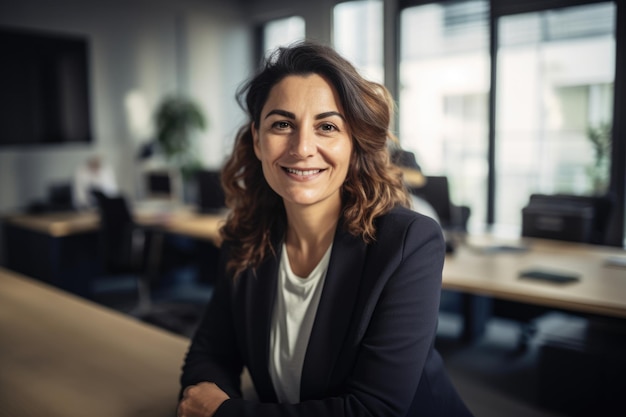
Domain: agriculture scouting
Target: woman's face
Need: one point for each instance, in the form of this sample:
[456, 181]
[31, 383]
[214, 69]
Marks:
[303, 142]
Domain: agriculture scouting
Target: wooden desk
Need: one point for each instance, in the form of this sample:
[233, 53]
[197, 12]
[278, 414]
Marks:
[477, 267]
[65, 244]
[187, 223]
[182, 220]
[62, 356]
[56, 224]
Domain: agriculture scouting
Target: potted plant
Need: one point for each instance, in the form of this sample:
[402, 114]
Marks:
[600, 138]
[178, 119]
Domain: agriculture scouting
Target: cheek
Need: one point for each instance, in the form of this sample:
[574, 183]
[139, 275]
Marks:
[346, 153]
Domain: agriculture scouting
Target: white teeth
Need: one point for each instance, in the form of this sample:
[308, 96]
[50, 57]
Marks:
[303, 173]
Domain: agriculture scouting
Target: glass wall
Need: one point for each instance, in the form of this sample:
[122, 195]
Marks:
[554, 105]
[358, 36]
[444, 96]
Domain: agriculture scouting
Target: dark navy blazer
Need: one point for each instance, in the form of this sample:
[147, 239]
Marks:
[371, 349]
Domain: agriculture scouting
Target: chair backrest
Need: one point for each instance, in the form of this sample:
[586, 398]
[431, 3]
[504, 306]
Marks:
[116, 227]
[210, 192]
[436, 192]
[567, 217]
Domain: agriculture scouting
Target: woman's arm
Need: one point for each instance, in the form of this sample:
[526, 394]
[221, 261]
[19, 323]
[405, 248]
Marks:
[213, 355]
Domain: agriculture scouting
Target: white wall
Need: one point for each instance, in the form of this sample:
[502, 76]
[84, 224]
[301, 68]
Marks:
[140, 51]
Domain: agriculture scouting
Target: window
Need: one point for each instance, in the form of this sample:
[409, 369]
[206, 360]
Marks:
[358, 36]
[554, 105]
[282, 32]
[553, 102]
[444, 96]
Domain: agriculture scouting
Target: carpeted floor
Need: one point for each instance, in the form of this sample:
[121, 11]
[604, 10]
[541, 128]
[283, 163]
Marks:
[492, 376]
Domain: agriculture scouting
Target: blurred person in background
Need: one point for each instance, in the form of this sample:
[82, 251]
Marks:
[94, 175]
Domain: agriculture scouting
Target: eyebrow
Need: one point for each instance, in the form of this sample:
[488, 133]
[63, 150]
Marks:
[291, 115]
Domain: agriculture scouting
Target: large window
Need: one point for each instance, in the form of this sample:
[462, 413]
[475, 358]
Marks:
[282, 32]
[444, 95]
[554, 105]
[358, 36]
[549, 130]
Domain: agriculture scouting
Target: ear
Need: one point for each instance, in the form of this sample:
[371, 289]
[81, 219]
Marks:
[255, 140]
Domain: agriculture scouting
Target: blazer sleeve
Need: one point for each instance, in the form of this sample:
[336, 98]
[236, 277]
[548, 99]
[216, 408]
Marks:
[213, 354]
[398, 331]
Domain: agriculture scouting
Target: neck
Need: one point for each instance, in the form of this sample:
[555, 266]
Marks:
[308, 227]
[309, 234]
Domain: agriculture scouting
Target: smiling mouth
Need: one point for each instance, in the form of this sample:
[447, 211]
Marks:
[303, 173]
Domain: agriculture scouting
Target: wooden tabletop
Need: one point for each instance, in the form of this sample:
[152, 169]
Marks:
[57, 224]
[486, 266]
[175, 219]
[62, 356]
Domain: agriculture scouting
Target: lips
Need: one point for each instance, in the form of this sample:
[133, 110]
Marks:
[303, 173]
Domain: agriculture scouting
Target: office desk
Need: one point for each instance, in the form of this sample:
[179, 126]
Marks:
[62, 248]
[62, 356]
[484, 266]
[182, 220]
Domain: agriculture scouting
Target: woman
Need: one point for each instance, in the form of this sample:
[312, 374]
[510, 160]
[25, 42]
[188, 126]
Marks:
[329, 286]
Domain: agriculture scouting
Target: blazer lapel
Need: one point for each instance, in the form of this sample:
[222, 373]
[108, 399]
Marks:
[333, 316]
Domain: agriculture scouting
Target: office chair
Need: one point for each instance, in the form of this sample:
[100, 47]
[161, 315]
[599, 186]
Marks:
[132, 260]
[436, 191]
[210, 195]
[122, 249]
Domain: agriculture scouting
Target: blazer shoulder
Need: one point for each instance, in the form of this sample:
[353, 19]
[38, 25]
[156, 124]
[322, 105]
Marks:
[400, 219]
[402, 232]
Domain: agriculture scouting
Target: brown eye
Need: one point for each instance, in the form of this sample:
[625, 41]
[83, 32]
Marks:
[280, 125]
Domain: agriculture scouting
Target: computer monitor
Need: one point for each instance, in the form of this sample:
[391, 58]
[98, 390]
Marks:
[159, 184]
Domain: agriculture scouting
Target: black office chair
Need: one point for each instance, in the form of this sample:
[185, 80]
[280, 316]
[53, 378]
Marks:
[133, 260]
[210, 194]
[122, 248]
[436, 191]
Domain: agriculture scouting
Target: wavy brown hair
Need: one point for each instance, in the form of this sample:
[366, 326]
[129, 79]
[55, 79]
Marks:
[373, 184]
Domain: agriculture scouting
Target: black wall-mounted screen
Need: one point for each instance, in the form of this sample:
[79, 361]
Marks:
[44, 88]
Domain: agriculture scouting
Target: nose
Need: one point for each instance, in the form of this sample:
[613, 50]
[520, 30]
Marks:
[303, 143]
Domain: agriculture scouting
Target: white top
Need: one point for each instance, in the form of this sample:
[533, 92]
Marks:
[87, 179]
[296, 304]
